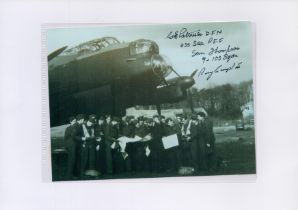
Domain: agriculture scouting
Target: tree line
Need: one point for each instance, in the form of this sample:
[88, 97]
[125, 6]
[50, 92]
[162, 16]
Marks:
[222, 101]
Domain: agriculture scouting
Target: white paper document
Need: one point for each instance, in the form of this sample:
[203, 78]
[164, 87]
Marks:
[124, 140]
[170, 141]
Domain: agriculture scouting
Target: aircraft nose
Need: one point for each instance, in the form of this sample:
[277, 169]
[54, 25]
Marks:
[187, 82]
[160, 66]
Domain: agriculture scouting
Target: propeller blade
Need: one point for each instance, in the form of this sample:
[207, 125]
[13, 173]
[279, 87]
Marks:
[176, 73]
[194, 73]
[56, 53]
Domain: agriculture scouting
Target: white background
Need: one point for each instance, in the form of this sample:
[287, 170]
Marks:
[276, 71]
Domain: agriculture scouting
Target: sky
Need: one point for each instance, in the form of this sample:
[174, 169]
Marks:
[231, 39]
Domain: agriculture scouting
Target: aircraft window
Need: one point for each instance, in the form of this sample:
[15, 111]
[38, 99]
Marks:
[105, 43]
[111, 40]
[71, 51]
[91, 46]
[85, 49]
[94, 48]
[143, 46]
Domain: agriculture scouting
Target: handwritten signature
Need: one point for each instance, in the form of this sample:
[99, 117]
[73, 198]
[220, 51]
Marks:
[184, 33]
[217, 50]
[219, 69]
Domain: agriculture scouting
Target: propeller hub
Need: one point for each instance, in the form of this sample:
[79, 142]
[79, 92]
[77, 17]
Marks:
[187, 82]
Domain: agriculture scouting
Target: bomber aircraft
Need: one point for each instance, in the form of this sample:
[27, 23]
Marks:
[106, 76]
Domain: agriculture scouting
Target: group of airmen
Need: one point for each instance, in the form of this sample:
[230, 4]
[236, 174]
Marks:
[94, 148]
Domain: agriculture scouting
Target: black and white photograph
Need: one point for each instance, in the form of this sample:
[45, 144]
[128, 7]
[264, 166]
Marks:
[148, 105]
[151, 101]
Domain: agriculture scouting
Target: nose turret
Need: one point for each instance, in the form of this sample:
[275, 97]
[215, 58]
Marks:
[160, 65]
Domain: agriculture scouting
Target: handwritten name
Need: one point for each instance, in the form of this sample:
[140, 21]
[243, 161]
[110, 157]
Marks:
[218, 54]
[184, 33]
[217, 50]
[218, 69]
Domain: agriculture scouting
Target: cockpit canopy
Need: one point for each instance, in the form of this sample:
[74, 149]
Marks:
[91, 46]
[142, 46]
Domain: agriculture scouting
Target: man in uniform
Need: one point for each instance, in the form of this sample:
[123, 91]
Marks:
[119, 164]
[202, 141]
[110, 137]
[146, 162]
[186, 157]
[178, 118]
[122, 157]
[158, 159]
[100, 145]
[172, 154]
[88, 148]
[80, 139]
[69, 138]
[127, 127]
[163, 119]
[210, 143]
[194, 141]
[139, 158]
[128, 130]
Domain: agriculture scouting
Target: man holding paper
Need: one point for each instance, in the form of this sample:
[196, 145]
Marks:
[171, 145]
